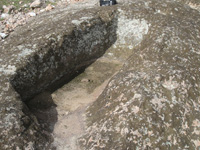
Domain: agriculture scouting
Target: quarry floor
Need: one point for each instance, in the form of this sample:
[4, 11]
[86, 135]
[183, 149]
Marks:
[73, 98]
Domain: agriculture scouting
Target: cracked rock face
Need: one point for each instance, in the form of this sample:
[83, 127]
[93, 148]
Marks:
[151, 103]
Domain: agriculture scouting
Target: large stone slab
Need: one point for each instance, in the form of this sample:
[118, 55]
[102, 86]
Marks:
[152, 103]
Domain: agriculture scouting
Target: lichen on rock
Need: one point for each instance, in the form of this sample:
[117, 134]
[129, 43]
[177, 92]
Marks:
[151, 103]
[50, 57]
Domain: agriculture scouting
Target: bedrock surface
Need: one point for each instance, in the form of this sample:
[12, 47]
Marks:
[151, 103]
[48, 52]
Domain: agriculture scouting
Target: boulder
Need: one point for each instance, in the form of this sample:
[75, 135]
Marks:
[151, 103]
[39, 57]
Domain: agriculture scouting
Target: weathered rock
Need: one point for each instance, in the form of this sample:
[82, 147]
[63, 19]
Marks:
[4, 16]
[36, 4]
[32, 61]
[3, 35]
[152, 103]
[32, 14]
[8, 9]
[49, 7]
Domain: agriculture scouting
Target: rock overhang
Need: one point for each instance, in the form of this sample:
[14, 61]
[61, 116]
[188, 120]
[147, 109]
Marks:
[30, 49]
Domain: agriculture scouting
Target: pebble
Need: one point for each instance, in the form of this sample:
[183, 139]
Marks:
[8, 9]
[49, 7]
[32, 14]
[36, 4]
[3, 35]
[4, 16]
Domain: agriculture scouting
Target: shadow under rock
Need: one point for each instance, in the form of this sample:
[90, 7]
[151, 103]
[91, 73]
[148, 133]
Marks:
[44, 108]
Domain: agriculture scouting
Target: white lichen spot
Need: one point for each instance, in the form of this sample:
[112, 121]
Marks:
[137, 96]
[77, 22]
[135, 109]
[194, 6]
[9, 70]
[30, 146]
[197, 143]
[136, 133]
[170, 84]
[124, 131]
[17, 148]
[196, 123]
[158, 102]
[25, 52]
[83, 19]
[131, 31]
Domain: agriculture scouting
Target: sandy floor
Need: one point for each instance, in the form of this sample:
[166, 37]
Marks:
[73, 99]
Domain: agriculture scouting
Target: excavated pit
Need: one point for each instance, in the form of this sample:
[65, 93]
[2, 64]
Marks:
[73, 98]
[59, 80]
[62, 112]
[61, 109]
[49, 79]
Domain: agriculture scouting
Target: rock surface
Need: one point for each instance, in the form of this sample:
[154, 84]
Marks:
[31, 65]
[152, 103]
[14, 17]
[36, 4]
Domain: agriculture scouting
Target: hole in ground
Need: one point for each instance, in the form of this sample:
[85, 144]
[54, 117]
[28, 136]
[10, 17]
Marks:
[62, 112]
[73, 98]
[55, 65]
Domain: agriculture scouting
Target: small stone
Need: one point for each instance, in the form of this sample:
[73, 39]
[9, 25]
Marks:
[42, 10]
[4, 16]
[85, 80]
[25, 6]
[110, 54]
[3, 35]
[8, 9]
[36, 4]
[32, 14]
[49, 7]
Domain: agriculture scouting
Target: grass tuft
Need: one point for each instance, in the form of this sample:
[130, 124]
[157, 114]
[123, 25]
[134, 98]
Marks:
[14, 2]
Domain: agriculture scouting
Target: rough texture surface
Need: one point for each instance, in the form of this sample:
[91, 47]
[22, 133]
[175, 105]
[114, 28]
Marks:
[31, 65]
[152, 103]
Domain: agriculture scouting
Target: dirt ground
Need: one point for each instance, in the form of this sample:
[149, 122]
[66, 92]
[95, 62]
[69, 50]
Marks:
[73, 98]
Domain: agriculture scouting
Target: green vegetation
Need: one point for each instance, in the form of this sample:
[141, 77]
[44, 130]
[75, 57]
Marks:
[16, 3]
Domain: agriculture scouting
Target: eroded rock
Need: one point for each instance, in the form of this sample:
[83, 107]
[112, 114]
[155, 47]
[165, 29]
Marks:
[36, 4]
[152, 103]
[49, 57]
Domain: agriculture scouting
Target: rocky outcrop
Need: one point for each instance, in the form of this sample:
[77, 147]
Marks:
[40, 57]
[152, 103]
